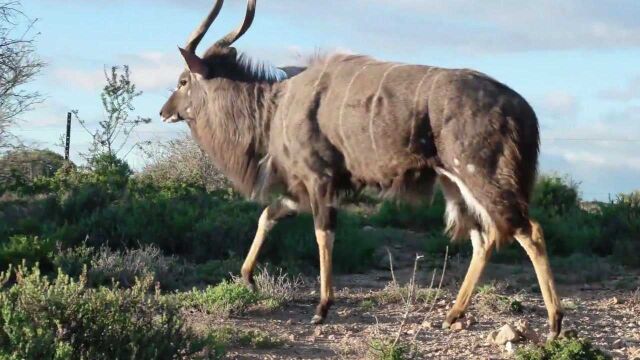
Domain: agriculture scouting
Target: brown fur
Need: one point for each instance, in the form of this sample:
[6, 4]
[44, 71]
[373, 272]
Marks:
[348, 121]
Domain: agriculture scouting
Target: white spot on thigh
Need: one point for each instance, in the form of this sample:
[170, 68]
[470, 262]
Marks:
[471, 168]
[456, 161]
[472, 203]
[189, 93]
[189, 110]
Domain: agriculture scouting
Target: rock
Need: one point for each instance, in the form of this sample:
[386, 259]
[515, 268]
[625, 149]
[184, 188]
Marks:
[289, 322]
[427, 324]
[506, 334]
[491, 339]
[618, 344]
[458, 326]
[616, 301]
[510, 347]
[522, 326]
[368, 228]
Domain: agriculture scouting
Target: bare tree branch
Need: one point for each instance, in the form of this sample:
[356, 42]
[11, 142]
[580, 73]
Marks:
[19, 65]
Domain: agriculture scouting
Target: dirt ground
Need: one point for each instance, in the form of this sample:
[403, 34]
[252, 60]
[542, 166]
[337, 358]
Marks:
[608, 317]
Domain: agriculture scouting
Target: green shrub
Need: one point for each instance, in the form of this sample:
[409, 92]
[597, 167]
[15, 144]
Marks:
[223, 299]
[63, 319]
[228, 336]
[127, 265]
[292, 244]
[214, 271]
[31, 249]
[424, 217]
[564, 349]
[555, 195]
[388, 350]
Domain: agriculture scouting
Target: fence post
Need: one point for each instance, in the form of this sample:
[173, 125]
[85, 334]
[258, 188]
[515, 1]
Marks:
[68, 139]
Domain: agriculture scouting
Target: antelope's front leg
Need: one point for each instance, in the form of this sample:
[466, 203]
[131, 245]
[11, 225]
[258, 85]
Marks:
[325, 223]
[268, 219]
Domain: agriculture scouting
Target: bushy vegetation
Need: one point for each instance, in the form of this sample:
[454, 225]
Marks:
[563, 349]
[64, 319]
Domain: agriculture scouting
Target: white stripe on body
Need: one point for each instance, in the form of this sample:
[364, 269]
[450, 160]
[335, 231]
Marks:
[416, 99]
[341, 113]
[375, 102]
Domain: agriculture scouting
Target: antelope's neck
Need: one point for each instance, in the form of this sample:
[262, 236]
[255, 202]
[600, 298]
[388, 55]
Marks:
[232, 125]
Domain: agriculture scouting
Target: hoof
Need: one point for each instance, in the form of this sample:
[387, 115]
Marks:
[317, 320]
[451, 318]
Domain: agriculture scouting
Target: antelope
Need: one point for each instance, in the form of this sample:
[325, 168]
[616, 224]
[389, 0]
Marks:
[346, 122]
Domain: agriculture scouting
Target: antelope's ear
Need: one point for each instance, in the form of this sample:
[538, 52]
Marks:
[194, 63]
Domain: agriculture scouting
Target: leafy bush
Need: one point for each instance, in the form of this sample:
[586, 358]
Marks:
[19, 168]
[388, 350]
[31, 249]
[63, 319]
[555, 195]
[230, 336]
[127, 265]
[424, 217]
[564, 349]
[223, 299]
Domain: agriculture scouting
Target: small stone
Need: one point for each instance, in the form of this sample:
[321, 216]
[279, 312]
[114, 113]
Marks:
[491, 339]
[616, 301]
[368, 228]
[618, 344]
[332, 337]
[289, 322]
[471, 320]
[457, 326]
[505, 334]
[510, 347]
[427, 325]
[522, 326]
[292, 337]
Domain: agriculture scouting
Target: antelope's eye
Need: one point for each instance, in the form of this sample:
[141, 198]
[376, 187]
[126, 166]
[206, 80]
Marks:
[183, 82]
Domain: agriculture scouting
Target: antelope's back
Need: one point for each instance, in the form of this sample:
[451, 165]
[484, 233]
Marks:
[373, 112]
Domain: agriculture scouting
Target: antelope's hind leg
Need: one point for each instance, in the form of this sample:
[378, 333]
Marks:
[531, 239]
[268, 219]
[325, 220]
[461, 223]
[482, 249]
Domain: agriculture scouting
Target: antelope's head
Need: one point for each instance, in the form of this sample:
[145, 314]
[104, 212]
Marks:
[217, 62]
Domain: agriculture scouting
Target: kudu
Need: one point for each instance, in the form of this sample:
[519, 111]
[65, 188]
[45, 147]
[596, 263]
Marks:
[347, 122]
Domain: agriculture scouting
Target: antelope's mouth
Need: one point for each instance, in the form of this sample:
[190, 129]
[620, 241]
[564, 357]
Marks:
[173, 119]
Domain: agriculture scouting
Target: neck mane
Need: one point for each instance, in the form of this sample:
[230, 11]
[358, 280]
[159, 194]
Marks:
[232, 124]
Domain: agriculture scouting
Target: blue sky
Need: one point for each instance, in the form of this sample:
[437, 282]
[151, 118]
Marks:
[576, 61]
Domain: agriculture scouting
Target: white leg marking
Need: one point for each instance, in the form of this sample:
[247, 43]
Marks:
[375, 102]
[472, 204]
[416, 100]
[341, 113]
[290, 204]
[479, 242]
[452, 214]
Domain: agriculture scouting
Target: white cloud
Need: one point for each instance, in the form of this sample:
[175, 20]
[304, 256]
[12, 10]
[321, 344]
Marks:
[150, 71]
[83, 79]
[559, 105]
[628, 92]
